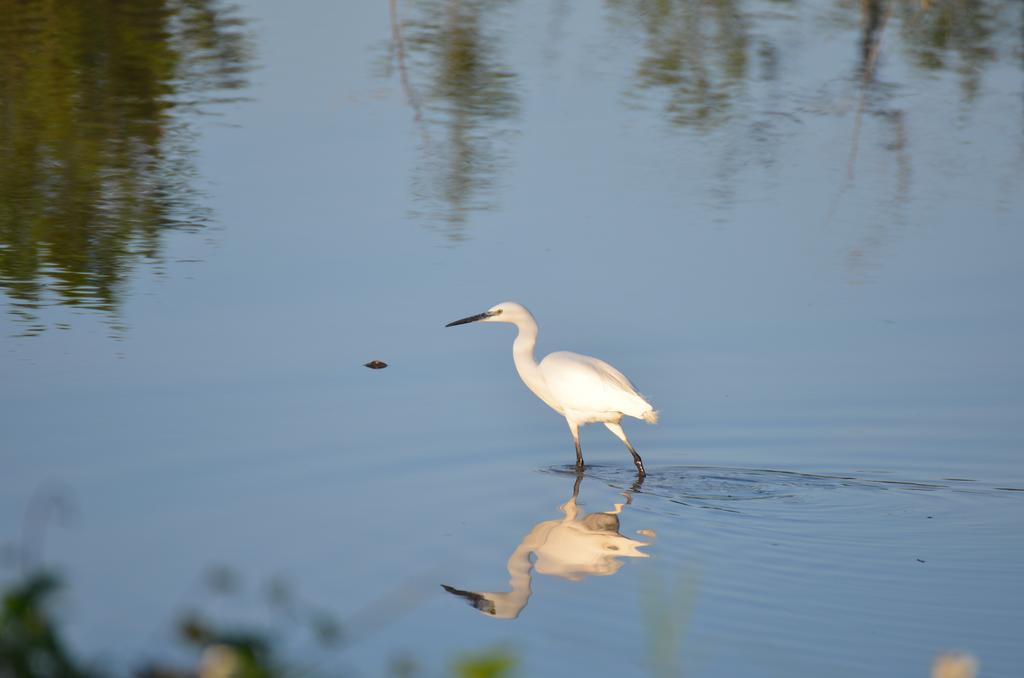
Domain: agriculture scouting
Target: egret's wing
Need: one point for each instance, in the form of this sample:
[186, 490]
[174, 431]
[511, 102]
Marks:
[586, 384]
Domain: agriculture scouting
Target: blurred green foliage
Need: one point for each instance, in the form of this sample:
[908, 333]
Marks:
[492, 664]
[31, 645]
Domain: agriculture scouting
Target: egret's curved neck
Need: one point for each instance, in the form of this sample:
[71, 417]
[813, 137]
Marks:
[520, 569]
[526, 363]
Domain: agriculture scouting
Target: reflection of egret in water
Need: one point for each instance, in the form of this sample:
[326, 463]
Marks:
[446, 56]
[572, 547]
[95, 149]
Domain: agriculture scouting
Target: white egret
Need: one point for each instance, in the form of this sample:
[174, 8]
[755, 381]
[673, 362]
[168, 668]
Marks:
[582, 389]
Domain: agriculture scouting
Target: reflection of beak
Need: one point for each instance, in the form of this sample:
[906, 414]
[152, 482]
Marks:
[472, 318]
[475, 599]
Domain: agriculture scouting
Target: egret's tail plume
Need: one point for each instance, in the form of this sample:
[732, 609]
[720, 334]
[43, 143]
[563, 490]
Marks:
[651, 416]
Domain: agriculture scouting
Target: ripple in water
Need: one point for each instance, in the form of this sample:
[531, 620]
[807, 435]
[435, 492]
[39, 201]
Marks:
[792, 561]
[852, 499]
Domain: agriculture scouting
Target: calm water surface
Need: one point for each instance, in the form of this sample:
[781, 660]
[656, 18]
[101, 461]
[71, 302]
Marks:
[795, 225]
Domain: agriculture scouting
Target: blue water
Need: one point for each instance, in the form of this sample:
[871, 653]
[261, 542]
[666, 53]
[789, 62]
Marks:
[807, 255]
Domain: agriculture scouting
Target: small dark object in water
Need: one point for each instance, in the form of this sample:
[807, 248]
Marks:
[376, 364]
[919, 560]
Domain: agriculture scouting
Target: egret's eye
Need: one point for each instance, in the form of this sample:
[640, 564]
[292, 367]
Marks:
[498, 312]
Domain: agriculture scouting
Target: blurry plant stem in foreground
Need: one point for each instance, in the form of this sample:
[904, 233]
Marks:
[668, 610]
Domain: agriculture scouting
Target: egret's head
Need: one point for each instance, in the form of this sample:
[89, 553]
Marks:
[505, 312]
[501, 605]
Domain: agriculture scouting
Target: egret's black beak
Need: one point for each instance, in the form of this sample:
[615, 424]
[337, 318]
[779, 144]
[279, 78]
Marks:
[475, 599]
[472, 318]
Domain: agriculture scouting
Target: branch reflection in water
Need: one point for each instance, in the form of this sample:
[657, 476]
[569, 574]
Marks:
[447, 57]
[571, 547]
[731, 73]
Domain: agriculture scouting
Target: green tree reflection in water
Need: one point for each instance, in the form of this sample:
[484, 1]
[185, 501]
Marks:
[95, 140]
[696, 56]
[723, 70]
[964, 37]
[447, 56]
[952, 36]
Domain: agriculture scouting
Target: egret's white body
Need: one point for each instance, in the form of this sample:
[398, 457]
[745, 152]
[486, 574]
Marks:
[582, 389]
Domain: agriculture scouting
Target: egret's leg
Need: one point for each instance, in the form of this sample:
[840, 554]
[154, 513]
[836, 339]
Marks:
[621, 435]
[576, 485]
[574, 428]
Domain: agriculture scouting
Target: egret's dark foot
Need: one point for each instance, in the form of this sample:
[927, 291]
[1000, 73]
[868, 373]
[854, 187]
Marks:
[640, 472]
